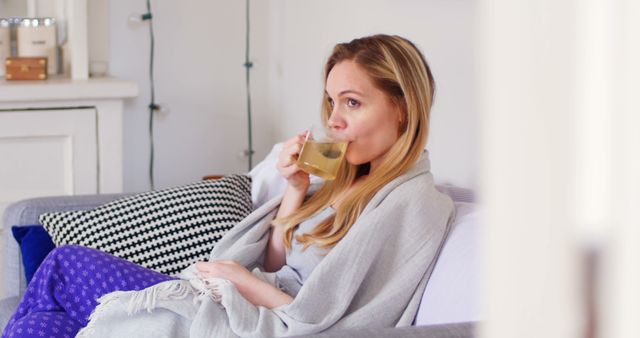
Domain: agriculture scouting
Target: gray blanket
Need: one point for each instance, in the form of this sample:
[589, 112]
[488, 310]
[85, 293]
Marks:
[374, 277]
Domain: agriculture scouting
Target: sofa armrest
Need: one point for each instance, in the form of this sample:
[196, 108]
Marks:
[453, 330]
[7, 307]
[27, 212]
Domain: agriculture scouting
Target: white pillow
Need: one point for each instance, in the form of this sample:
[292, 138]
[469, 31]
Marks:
[266, 181]
[451, 293]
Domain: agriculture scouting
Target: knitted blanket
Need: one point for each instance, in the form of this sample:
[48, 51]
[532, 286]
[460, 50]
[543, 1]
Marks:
[374, 277]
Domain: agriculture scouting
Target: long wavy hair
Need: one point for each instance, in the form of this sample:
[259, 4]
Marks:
[399, 69]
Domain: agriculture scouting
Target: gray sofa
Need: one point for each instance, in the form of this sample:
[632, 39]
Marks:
[26, 212]
[448, 307]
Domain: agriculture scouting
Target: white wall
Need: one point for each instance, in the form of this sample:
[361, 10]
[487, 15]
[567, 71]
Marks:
[9, 8]
[199, 76]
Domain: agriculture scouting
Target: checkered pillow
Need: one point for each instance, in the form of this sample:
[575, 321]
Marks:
[164, 230]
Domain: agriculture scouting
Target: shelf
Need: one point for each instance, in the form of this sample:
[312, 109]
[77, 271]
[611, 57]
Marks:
[60, 88]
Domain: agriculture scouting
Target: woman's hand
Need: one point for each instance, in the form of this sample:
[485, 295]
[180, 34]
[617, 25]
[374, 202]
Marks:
[252, 288]
[287, 166]
[229, 270]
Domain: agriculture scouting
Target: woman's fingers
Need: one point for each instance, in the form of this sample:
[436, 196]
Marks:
[229, 270]
[201, 266]
[290, 170]
[289, 155]
[213, 268]
[287, 162]
[298, 139]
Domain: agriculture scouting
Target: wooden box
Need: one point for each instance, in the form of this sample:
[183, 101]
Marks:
[26, 68]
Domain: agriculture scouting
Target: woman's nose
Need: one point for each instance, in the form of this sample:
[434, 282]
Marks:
[336, 122]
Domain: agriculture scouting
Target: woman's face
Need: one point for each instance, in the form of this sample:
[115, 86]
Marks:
[361, 114]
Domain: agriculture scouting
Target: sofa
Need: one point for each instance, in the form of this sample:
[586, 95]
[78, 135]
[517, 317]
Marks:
[448, 307]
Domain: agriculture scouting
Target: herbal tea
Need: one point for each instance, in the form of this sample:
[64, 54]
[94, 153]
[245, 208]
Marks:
[322, 158]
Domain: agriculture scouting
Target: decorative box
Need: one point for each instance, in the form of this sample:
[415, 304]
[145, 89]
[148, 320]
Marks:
[37, 37]
[26, 68]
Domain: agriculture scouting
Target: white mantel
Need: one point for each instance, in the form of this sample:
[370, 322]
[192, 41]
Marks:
[58, 88]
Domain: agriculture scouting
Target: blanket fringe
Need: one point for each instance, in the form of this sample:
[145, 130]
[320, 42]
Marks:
[148, 298]
[103, 303]
[174, 290]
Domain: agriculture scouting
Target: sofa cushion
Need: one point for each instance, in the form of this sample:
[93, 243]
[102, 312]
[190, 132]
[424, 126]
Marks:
[163, 230]
[450, 295]
[35, 244]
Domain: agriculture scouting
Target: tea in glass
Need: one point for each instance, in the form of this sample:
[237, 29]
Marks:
[322, 157]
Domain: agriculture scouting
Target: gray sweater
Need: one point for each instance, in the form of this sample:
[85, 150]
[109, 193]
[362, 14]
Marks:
[300, 262]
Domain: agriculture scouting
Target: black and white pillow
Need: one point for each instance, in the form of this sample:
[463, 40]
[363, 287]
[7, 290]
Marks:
[164, 230]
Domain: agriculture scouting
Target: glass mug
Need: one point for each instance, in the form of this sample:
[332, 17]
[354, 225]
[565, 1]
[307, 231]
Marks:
[321, 154]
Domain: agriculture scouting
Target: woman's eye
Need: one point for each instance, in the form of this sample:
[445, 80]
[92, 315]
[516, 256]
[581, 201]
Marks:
[351, 103]
[330, 101]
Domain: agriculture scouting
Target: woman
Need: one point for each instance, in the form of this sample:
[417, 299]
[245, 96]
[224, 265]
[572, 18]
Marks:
[357, 252]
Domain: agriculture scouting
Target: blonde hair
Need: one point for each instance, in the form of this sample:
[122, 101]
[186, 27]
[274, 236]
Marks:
[399, 69]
